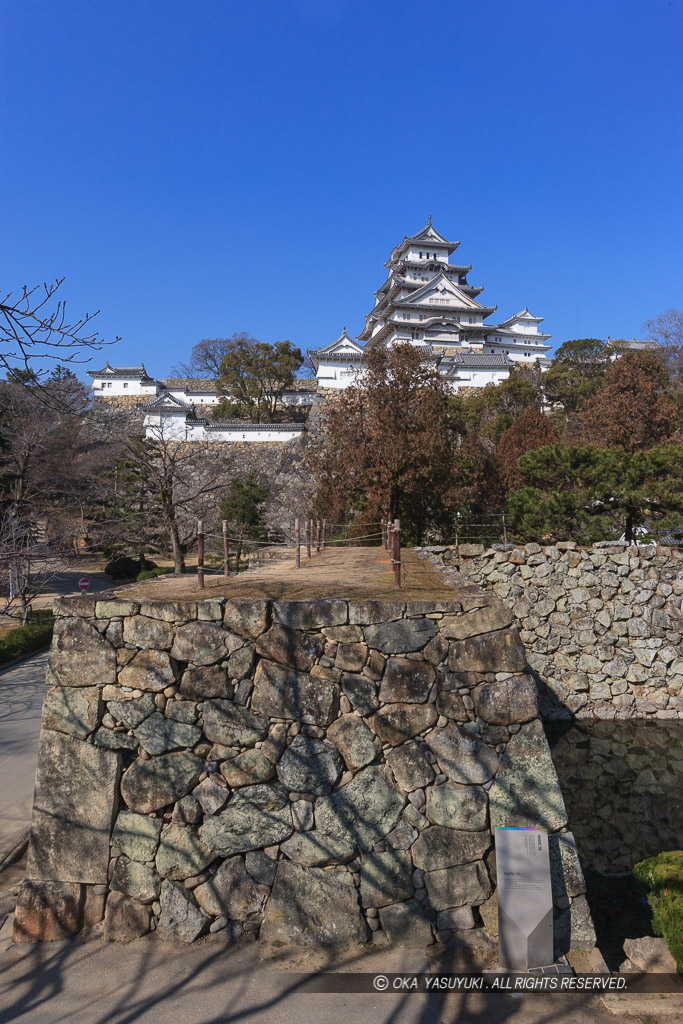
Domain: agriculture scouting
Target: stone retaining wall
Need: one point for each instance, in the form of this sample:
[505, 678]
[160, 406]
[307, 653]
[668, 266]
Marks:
[602, 627]
[310, 772]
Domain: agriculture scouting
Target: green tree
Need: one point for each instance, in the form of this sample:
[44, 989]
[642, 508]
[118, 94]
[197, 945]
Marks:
[242, 508]
[576, 373]
[488, 412]
[588, 493]
[253, 376]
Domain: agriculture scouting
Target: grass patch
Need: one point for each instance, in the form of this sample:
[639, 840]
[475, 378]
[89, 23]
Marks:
[26, 639]
[151, 574]
[662, 879]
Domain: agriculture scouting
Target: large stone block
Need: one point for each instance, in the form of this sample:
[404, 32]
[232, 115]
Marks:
[565, 868]
[365, 613]
[354, 741]
[401, 636]
[232, 725]
[80, 656]
[181, 854]
[490, 617]
[440, 847]
[309, 765]
[573, 928]
[361, 691]
[204, 643]
[170, 611]
[317, 849]
[74, 803]
[464, 884]
[461, 756]
[411, 768]
[526, 791]
[290, 647]
[247, 618]
[136, 835]
[47, 911]
[507, 701]
[311, 906]
[158, 734]
[310, 614]
[149, 670]
[148, 634]
[125, 919]
[285, 693]
[231, 892]
[180, 917]
[139, 881]
[385, 878]
[406, 924]
[350, 657]
[396, 723]
[68, 607]
[499, 651]
[255, 817]
[459, 807]
[76, 711]
[131, 712]
[247, 769]
[149, 785]
[406, 681]
[364, 811]
[114, 609]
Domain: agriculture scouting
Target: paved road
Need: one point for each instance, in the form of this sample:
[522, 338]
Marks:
[21, 699]
[152, 982]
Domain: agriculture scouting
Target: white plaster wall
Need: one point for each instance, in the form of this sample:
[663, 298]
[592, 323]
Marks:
[122, 387]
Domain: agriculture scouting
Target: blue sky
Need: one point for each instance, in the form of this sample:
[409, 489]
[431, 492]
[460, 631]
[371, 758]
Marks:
[199, 168]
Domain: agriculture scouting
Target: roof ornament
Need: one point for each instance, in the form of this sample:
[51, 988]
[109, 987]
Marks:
[429, 219]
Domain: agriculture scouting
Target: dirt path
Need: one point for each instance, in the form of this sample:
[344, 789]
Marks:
[351, 573]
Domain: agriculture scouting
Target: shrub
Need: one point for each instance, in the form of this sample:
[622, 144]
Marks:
[26, 639]
[662, 879]
[126, 568]
[150, 574]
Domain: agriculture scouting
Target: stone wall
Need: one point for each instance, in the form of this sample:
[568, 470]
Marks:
[639, 763]
[310, 772]
[602, 627]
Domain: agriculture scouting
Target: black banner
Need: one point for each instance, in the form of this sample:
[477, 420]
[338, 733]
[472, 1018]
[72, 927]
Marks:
[550, 980]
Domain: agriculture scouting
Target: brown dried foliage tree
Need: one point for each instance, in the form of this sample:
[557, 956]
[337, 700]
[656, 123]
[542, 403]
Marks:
[386, 449]
[634, 408]
[530, 430]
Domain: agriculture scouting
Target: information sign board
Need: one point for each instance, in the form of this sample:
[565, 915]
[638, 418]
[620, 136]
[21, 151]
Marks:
[525, 901]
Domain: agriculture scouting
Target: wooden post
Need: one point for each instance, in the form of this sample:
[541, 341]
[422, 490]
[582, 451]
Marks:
[324, 532]
[505, 530]
[397, 552]
[200, 554]
[297, 542]
[381, 526]
[226, 552]
[317, 536]
[309, 531]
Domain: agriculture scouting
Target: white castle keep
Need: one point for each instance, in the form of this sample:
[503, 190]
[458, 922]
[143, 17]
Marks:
[425, 301]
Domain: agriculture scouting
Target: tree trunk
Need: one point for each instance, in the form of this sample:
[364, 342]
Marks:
[178, 550]
[629, 527]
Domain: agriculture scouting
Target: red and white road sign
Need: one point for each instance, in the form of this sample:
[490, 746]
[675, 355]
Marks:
[84, 583]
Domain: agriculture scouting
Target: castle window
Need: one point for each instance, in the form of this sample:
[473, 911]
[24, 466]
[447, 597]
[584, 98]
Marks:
[125, 384]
